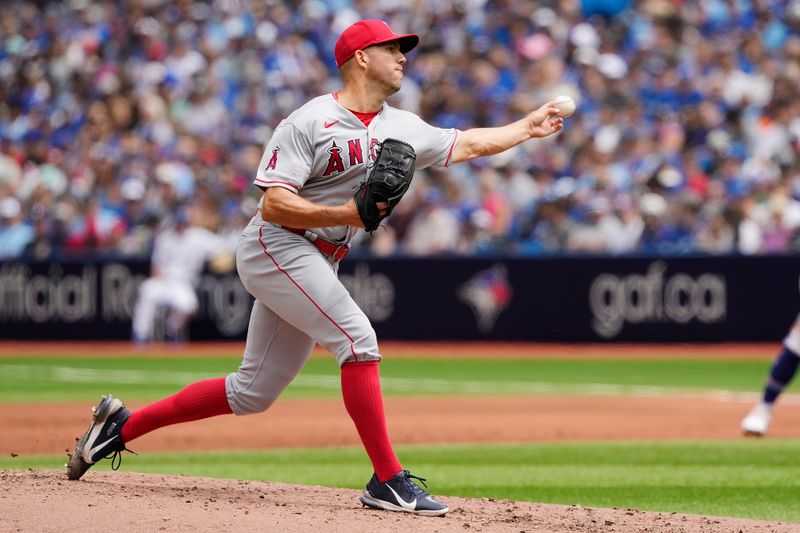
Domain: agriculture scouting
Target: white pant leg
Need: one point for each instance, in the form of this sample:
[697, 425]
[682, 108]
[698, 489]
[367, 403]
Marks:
[179, 297]
[181, 300]
[287, 273]
[145, 309]
[792, 340]
[274, 354]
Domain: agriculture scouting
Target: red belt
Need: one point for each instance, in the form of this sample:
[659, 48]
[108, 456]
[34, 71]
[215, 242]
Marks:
[335, 251]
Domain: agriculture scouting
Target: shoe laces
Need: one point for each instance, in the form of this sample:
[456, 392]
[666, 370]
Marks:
[416, 489]
[116, 457]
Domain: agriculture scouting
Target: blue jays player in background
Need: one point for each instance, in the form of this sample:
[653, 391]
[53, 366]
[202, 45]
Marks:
[783, 370]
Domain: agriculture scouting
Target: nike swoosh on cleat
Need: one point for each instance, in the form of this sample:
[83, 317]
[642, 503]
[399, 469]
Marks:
[411, 506]
[96, 448]
[329, 124]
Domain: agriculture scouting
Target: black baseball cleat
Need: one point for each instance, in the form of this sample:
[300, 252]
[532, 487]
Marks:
[401, 494]
[102, 440]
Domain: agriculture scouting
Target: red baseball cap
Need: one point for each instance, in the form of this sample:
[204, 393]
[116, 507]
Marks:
[365, 33]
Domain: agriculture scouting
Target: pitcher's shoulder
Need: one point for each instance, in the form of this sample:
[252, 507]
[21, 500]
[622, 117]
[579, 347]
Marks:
[396, 112]
[306, 116]
[313, 107]
[396, 116]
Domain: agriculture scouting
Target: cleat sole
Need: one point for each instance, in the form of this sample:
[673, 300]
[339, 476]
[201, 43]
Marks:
[374, 503]
[76, 467]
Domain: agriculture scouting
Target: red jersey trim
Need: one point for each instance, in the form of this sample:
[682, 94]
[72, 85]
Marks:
[450, 152]
[278, 183]
[365, 118]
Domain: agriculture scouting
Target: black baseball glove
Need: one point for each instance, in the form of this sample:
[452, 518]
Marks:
[387, 182]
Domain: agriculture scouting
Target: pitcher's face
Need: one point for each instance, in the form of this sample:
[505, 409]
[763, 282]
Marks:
[385, 66]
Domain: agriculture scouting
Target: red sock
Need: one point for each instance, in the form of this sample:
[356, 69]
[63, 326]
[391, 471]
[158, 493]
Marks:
[361, 390]
[202, 399]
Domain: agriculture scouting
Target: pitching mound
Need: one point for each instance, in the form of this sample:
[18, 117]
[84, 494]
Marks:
[44, 501]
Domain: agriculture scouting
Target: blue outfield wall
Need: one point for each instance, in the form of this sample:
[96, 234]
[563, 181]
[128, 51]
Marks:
[586, 299]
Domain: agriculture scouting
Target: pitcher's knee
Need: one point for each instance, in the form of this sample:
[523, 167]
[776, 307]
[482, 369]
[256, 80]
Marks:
[363, 348]
[245, 399]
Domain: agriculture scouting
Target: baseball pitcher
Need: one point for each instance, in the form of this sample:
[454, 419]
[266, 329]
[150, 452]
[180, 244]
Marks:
[339, 163]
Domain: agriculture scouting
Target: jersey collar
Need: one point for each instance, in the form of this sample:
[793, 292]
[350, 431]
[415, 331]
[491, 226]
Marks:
[335, 96]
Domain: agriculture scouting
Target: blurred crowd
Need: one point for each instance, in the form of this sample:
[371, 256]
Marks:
[116, 114]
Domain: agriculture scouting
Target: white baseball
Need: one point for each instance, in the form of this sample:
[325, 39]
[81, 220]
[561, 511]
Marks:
[565, 105]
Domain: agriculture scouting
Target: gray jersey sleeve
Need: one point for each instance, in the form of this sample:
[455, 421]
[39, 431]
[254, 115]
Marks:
[287, 159]
[434, 145]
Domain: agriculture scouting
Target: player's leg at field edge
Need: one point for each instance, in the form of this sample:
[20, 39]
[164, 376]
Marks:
[783, 370]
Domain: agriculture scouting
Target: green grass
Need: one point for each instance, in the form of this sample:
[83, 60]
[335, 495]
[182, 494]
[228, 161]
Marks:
[140, 378]
[755, 479]
[744, 478]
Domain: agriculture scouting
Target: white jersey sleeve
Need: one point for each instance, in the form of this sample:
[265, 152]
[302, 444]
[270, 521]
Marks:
[287, 159]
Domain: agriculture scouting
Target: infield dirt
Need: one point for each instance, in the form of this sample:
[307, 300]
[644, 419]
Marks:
[44, 501]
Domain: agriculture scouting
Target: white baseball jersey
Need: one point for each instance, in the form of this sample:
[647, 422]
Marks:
[178, 258]
[322, 152]
[181, 256]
